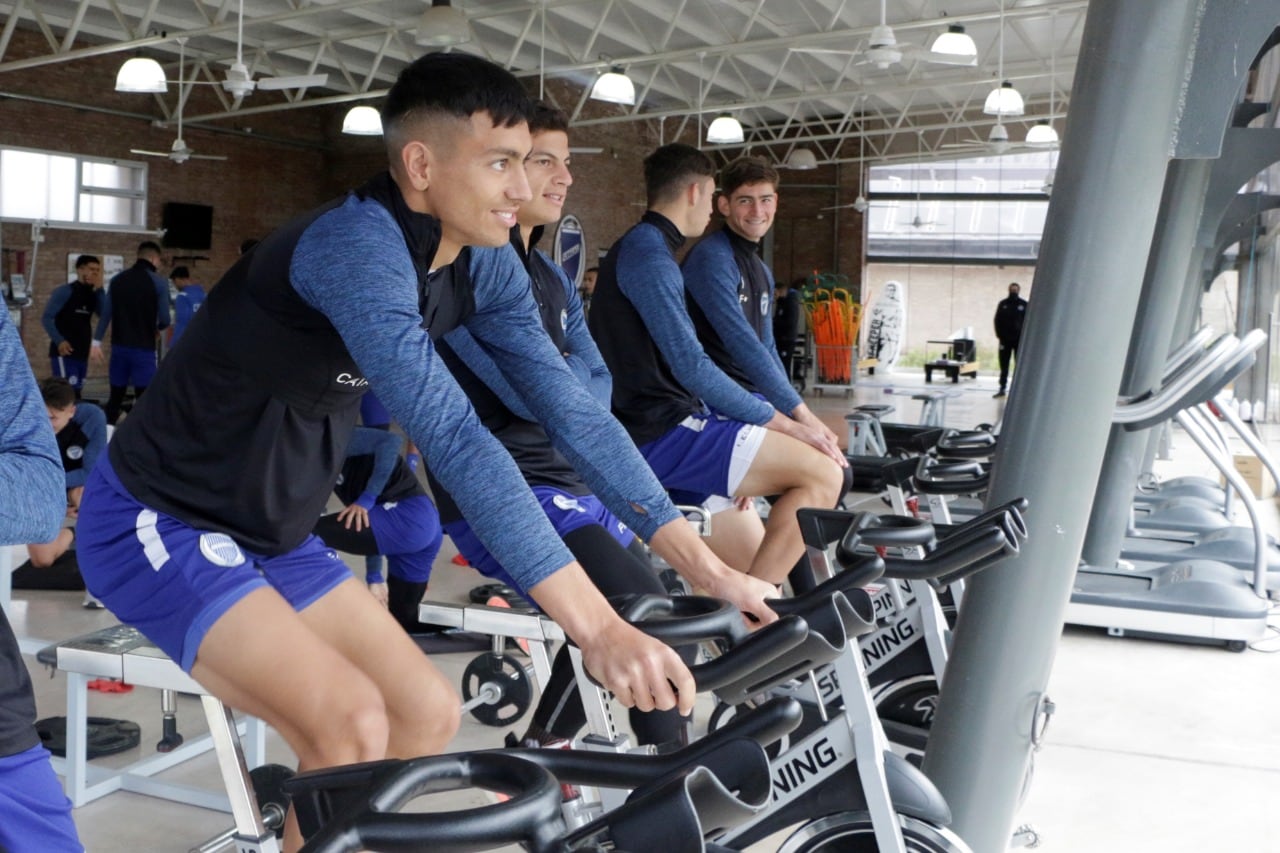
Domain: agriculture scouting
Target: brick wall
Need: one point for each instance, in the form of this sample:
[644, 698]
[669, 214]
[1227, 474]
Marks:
[281, 164]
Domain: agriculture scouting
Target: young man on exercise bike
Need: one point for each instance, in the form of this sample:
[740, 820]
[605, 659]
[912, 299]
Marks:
[594, 535]
[196, 528]
[701, 432]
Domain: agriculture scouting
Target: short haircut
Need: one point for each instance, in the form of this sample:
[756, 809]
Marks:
[455, 85]
[180, 272]
[669, 169]
[148, 246]
[57, 393]
[85, 260]
[547, 118]
[747, 170]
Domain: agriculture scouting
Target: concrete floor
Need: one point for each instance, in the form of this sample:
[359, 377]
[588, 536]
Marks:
[1155, 746]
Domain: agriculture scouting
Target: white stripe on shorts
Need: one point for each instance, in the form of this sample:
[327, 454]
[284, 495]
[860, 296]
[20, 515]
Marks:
[149, 537]
[745, 448]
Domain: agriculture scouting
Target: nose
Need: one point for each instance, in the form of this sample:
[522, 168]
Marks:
[565, 176]
[518, 188]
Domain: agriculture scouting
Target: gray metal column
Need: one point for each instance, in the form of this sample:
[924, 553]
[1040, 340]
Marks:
[1162, 295]
[1118, 141]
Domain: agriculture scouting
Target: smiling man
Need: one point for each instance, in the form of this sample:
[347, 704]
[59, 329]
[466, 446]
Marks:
[597, 530]
[703, 434]
[196, 527]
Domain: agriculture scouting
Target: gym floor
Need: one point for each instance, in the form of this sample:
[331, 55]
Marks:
[1155, 746]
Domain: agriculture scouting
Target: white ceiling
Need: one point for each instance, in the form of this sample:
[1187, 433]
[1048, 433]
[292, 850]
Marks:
[689, 58]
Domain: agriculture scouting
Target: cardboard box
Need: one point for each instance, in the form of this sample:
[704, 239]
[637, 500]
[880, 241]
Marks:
[1255, 474]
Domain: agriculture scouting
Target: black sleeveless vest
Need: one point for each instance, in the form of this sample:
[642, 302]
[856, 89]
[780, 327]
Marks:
[246, 425]
[74, 322]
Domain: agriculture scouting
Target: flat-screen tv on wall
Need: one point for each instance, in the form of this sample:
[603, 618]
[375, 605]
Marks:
[187, 226]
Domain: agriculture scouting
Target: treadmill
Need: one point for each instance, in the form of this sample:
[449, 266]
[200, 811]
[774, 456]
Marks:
[1192, 600]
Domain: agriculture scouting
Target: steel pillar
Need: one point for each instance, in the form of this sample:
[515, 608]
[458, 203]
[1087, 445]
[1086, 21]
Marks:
[1127, 92]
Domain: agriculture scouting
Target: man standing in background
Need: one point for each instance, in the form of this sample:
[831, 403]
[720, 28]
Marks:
[1010, 312]
[137, 309]
[67, 318]
[190, 298]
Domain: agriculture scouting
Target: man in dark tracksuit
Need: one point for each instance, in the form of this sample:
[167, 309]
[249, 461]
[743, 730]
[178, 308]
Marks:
[136, 308]
[1010, 314]
[67, 319]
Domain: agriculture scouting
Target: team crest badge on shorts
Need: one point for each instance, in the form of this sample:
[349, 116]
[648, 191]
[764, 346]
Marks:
[567, 503]
[221, 550]
[75, 451]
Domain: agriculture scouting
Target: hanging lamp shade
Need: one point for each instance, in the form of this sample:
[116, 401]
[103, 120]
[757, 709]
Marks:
[1004, 100]
[141, 74]
[614, 87]
[725, 130]
[955, 42]
[802, 159]
[442, 26]
[1042, 135]
[362, 121]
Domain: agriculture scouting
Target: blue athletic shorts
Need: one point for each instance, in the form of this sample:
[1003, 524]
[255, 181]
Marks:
[408, 533]
[566, 512]
[171, 581]
[372, 412]
[704, 455]
[134, 366]
[35, 815]
[70, 369]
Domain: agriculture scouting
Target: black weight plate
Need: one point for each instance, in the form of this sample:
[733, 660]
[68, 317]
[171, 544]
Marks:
[516, 690]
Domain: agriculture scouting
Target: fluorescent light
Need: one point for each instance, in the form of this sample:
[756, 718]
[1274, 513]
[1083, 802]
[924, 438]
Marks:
[955, 42]
[141, 74]
[1042, 135]
[442, 26]
[362, 121]
[1004, 100]
[615, 87]
[725, 129]
[802, 158]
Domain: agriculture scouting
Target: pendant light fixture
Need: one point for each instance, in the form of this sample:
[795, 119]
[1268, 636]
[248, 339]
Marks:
[362, 121]
[141, 74]
[614, 87]
[1042, 134]
[1004, 100]
[442, 26]
[725, 130]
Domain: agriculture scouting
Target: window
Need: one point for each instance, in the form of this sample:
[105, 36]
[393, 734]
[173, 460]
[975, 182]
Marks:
[983, 210]
[69, 189]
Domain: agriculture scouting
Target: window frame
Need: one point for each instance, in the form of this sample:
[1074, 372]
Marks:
[139, 196]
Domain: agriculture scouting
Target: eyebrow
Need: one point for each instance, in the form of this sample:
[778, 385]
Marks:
[506, 152]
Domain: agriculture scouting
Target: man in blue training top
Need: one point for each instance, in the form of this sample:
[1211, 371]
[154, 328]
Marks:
[664, 382]
[594, 534]
[81, 431]
[188, 301]
[197, 526]
[729, 291]
[67, 318]
[35, 815]
[136, 309]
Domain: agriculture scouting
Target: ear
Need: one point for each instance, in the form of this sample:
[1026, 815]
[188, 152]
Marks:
[722, 204]
[693, 193]
[416, 160]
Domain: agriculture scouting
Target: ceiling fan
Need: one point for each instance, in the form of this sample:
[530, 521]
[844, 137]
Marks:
[179, 152]
[884, 50]
[860, 204]
[240, 83]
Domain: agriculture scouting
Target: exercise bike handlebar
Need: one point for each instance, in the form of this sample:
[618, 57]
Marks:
[967, 443]
[960, 556]
[951, 477]
[371, 820]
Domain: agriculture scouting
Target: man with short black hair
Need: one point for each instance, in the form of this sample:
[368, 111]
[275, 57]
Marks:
[702, 433]
[67, 318]
[196, 527]
[1011, 312]
[136, 309]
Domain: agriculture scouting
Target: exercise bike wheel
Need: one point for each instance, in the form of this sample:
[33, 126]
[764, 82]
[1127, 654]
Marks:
[851, 832]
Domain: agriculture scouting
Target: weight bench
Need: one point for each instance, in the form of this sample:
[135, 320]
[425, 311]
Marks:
[123, 653]
[933, 407]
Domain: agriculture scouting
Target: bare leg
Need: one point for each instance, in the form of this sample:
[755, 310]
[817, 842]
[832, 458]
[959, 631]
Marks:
[321, 701]
[45, 555]
[736, 536]
[802, 476]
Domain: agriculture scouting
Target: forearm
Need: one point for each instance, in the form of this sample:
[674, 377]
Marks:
[680, 545]
[574, 603]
